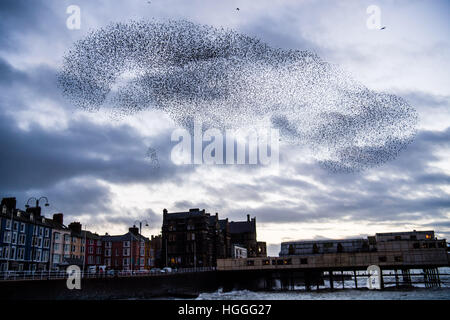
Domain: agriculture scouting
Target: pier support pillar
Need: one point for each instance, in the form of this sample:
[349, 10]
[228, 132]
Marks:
[396, 278]
[330, 275]
[356, 279]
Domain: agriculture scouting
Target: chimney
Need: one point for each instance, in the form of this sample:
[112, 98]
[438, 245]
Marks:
[36, 211]
[165, 211]
[10, 203]
[134, 230]
[58, 217]
[248, 218]
[75, 227]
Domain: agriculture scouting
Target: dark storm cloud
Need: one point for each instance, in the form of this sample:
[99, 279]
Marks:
[41, 158]
[354, 197]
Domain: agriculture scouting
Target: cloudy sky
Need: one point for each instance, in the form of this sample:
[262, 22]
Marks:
[93, 166]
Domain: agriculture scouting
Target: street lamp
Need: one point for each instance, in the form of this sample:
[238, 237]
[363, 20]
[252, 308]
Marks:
[140, 225]
[140, 233]
[37, 202]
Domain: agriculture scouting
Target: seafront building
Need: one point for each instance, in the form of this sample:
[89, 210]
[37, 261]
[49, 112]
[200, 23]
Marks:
[196, 238]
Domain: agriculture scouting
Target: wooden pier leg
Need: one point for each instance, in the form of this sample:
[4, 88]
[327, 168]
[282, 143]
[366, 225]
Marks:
[381, 279]
[330, 276]
[356, 279]
[425, 277]
[396, 278]
[438, 278]
[342, 278]
[307, 281]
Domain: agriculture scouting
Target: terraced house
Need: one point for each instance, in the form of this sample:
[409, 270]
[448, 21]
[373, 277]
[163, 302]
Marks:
[25, 238]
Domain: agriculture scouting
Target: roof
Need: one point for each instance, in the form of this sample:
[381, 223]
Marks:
[223, 224]
[124, 237]
[90, 235]
[242, 226]
[324, 241]
[185, 215]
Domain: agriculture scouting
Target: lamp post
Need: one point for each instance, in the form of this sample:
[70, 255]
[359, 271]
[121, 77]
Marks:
[27, 205]
[140, 233]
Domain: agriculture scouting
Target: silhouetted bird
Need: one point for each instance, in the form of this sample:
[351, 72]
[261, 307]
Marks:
[237, 9]
[383, 28]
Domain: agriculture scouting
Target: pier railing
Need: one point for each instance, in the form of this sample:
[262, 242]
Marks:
[62, 274]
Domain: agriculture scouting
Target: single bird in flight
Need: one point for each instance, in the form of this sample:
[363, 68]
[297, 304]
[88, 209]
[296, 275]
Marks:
[383, 28]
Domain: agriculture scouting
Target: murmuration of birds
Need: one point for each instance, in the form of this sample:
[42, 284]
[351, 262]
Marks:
[229, 80]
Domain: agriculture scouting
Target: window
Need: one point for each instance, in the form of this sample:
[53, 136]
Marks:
[382, 259]
[108, 253]
[126, 261]
[287, 261]
[398, 238]
[126, 252]
[432, 245]
[22, 239]
[21, 254]
[37, 255]
[91, 242]
[66, 247]
[73, 248]
[66, 238]
[7, 237]
[82, 249]
[416, 245]
[90, 259]
[304, 261]
[14, 237]
[5, 252]
[413, 237]
[13, 253]
[91, 250]
[22, 227]
[46, 243]
[41, 231]
[126, 244]
[266, 262]
[250, 262]
[57, 235]
[8, 224]
[279, 262]
[16, 226]
[35, 230]
[45, 256]
[56, 258]
[47, 232]
[99, 243]
[56, 246]
[99, 250]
